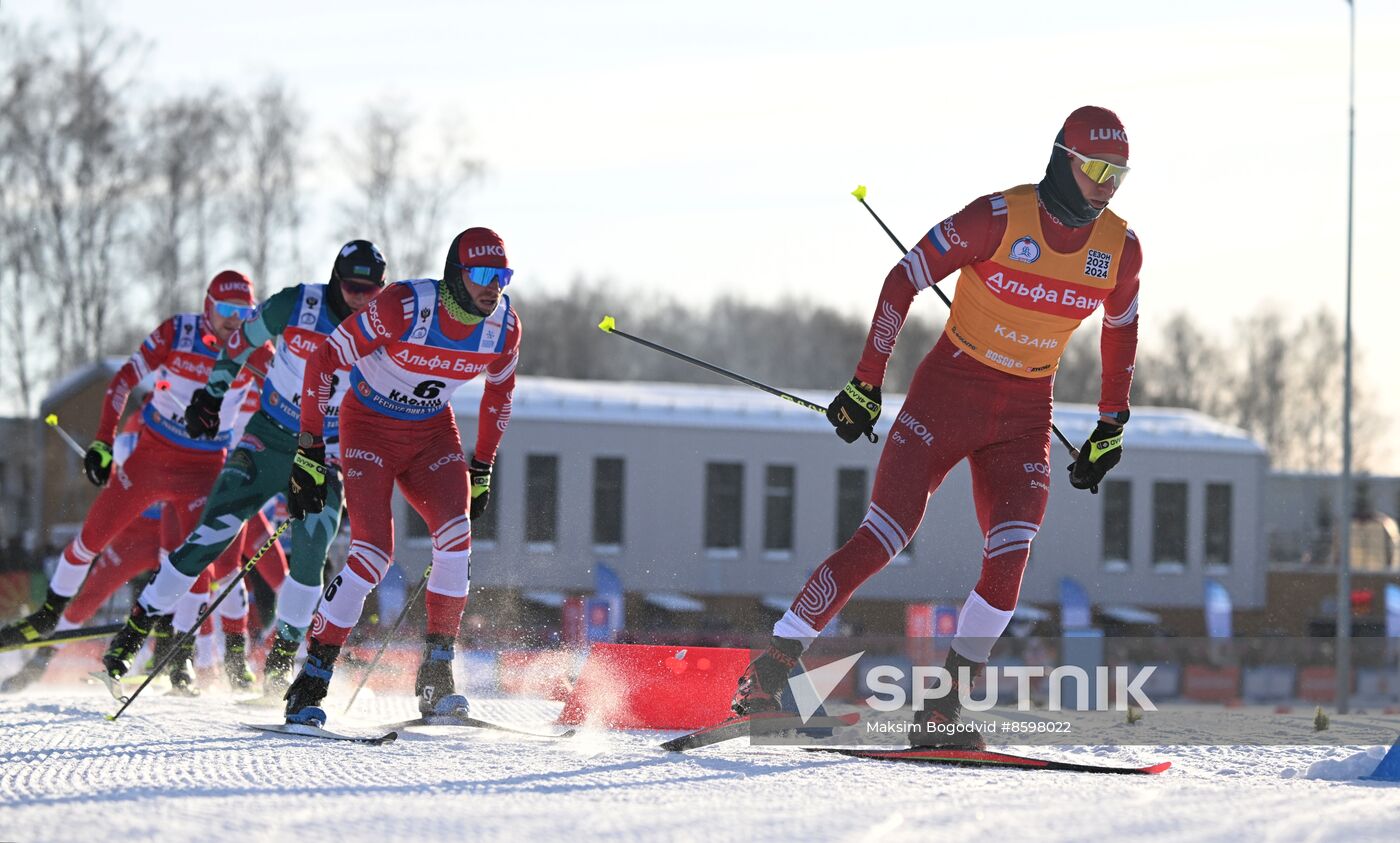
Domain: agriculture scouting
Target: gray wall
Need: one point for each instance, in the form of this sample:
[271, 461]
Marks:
[664, 519]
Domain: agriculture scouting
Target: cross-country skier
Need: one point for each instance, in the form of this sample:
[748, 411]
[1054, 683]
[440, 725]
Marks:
[410, 349]
[1035, 260]
[167, 465]
[298, 319]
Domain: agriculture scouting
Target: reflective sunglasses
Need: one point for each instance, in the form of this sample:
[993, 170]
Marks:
[229, 309]
[359, 288]
[1097, 169]
[482, 276]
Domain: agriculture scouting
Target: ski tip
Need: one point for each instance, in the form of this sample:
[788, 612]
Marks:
[859, 193]
[608, 325]
[1157, 768]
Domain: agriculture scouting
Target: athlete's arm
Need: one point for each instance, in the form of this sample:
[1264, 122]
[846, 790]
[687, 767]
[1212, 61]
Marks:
[1118, 341]
[966, 237]
[249, 384]
[383, 319]
[146, 359]
[269, 322]
[494, 413]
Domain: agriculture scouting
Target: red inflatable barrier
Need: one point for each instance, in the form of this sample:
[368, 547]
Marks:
[642, 686]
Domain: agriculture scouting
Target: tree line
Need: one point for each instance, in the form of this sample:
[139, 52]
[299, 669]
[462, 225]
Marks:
[117, 204]
[1280, 378]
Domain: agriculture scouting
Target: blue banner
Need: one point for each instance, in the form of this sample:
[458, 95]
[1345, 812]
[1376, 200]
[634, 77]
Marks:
[1392, 610]
[607, 585]
[1219, 610]
[1074, 605]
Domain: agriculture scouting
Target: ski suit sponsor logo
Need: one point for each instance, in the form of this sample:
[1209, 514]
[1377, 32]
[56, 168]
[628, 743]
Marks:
[1097, 263]
[1025, 339]
[408, 358]
[445, 459]
[887, 325]
[483, 251]
[362, 454]
[376, 325]
[302, 345]
[1004, 360]
[1006, 287]
[916, 427]
[1037, 468]
[1025, 250]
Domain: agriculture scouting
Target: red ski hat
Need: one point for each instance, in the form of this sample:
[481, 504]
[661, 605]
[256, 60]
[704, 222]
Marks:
[231, 286]
[1091, 130]
[478, 247]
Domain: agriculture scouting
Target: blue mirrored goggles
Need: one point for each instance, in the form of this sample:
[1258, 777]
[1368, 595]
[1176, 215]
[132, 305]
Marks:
[229, 309]
[482, 276]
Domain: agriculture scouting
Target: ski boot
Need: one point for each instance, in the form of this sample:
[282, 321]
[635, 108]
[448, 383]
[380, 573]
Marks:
[435, 685]
[37, 625]
[305, 694]
[129, 640]
[762, 686]
[281, 656]
[32, 671]
[236, 668]
[935, 725]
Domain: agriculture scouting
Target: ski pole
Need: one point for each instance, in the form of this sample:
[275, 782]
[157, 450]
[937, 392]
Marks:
[609, 326]
[407, 606]
[208, 611]
[859, 194]
[52, 421]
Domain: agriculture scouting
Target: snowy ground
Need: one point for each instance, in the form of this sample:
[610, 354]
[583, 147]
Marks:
[177, 769]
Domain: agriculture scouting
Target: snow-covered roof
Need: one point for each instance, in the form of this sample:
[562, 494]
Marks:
[81, 377]
[745, 408]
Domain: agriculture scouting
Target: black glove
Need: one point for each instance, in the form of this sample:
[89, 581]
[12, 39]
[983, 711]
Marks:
[1101, 452]
[306, 488]
[97, 463]
[854, 410]
[202, 415]
[481, 486]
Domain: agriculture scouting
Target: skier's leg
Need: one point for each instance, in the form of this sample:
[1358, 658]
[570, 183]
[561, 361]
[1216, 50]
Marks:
[436, 485]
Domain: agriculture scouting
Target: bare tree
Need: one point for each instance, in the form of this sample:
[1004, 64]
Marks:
[70, 177]
[268, 203]
[1079, 376]
[402, 192]
[1183, 369]
[188, 163]
[1261, 390]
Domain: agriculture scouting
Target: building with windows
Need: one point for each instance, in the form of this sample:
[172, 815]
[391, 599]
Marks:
[727, 496]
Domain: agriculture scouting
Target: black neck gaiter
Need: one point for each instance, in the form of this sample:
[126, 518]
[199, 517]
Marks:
[1060, 193]
[340, 309]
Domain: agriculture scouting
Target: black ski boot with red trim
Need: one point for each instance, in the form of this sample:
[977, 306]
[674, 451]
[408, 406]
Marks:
[762, 686]
[938, 725]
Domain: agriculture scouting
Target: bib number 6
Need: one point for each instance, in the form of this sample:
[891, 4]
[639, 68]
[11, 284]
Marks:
[428, 389]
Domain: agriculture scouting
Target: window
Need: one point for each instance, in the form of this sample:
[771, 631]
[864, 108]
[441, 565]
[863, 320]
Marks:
[484, 527]
[852, 500]
[607, 501]
[779, 495]
[1219, 518]
[1117, 525]
[724, 505]
[541, 498]
[1169, 526]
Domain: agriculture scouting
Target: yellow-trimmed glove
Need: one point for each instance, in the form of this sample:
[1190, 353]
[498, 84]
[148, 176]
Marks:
[306, 488]
[97, 462]
[1101, 452]
[481, 486]
[854, 410]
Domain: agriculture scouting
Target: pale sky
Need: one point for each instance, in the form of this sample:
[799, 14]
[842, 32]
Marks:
[698, 148]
